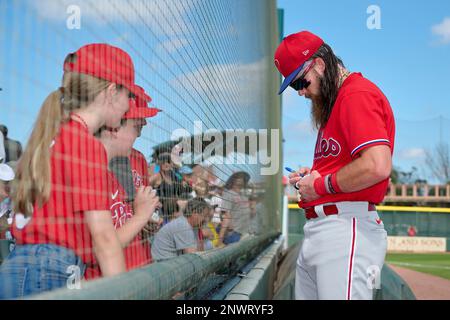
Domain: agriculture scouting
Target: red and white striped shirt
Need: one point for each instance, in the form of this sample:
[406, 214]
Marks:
[79, 183]
[137, 253]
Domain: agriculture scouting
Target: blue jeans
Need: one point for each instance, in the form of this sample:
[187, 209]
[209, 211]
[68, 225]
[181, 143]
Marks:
[32, 269]
[232, 237]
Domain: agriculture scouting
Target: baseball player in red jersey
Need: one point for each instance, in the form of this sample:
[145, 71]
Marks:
[62, 199]
[345, 241]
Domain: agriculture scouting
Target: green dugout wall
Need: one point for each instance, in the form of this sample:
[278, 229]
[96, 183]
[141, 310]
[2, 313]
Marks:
[428, 221]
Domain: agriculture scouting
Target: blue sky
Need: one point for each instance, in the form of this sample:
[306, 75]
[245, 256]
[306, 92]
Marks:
[34, 38]
[408, 58]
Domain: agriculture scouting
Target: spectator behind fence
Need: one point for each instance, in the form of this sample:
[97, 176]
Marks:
[132, 170]
[62, 189]
[237, 204]
[169, 186]
[217, 220]
[171, 210]
[2, 148]
[135, 121]
[129, 218]
[13, 148]
[200, 189]
[180, 236]
[6, 177]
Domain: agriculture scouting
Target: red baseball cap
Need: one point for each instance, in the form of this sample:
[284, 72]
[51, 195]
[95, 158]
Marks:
[139, 107]
[106, 62]
[293, 52]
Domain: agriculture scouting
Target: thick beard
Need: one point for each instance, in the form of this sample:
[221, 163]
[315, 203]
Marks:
[317, 107]
[321, 105]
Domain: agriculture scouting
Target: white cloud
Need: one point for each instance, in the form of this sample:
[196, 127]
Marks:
[172, 45]
[213, 79]
[442, 30]
[151, 12]
[412, 153]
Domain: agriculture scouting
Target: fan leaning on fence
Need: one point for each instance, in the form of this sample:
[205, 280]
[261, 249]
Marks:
[62, 189]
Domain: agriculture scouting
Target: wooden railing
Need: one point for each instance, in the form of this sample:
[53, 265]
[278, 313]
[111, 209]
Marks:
[405, 193]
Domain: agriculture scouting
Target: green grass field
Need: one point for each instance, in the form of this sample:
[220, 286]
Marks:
[437, 264]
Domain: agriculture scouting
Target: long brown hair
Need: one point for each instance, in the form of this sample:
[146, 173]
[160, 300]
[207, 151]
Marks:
[33, 179]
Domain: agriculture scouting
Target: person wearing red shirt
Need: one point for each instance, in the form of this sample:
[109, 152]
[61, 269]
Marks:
[139, 166]
[345, 242]
[130, 218]
[136, 117]
[61, 200]
[412, 231]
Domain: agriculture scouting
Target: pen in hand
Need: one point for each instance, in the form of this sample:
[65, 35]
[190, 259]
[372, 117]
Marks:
[293, 171]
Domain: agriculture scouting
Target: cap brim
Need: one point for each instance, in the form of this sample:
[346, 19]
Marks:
[138, 92]
[287, 81]
[140, 113]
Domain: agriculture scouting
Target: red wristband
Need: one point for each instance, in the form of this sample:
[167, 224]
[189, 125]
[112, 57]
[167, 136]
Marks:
[334, 183]
[319, 186]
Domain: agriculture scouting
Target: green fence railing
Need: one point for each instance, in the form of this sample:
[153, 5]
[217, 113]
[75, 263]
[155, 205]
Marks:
[163, 280]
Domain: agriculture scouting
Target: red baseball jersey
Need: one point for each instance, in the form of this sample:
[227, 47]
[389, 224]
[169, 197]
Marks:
[137, 253]
[361, 118]
[139, 167]
[79, 183]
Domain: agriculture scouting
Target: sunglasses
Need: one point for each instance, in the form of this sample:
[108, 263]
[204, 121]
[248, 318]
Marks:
[301, 83]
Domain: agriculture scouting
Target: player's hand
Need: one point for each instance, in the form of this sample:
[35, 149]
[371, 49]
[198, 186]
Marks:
[145, 202]
[296, 176]
[306, 187]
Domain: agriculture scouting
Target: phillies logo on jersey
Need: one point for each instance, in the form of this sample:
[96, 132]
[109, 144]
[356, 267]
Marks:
[119, 212]
[326, 147]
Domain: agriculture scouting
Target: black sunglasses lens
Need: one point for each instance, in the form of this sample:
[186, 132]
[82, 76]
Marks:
[305, 84]
[300, 84]
[295, 85]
